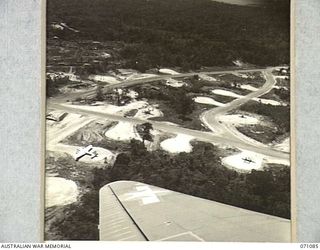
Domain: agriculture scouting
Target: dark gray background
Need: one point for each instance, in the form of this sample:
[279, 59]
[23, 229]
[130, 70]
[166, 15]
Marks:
[20, 119]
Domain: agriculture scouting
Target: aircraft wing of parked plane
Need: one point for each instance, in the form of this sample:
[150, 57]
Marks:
[133, 211]
[85, 151]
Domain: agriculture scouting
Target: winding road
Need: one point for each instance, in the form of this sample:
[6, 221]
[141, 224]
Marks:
[221, 133]
[211, 118]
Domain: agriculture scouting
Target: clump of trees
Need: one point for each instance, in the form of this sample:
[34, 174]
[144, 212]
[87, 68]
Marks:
[53, 85]
[176, 98]
[280, 115]
[117, 96]
[81, 219]
[181, 102]
[283, 94]
[99, 94]
[196, 85]
[145, 131]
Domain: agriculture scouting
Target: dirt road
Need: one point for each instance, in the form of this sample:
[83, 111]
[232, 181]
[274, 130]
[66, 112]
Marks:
[211, 117]
[222, 133]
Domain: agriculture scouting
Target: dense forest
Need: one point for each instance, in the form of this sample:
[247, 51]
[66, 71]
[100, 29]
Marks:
[184, 33]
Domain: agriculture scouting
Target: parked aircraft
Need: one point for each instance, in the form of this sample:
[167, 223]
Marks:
[248, 160]
[85, 151]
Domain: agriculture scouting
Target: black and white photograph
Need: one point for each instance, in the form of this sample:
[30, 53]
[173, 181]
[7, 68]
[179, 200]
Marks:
[168, 120]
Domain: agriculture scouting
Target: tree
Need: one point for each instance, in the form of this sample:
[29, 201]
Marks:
[137, 148]
[261, 183]
[145, 131]
[99, 94]
[51, 88]
[182, 103]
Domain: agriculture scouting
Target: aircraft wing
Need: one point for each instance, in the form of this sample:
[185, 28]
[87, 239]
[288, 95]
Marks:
[133, 211]
[82, 152]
